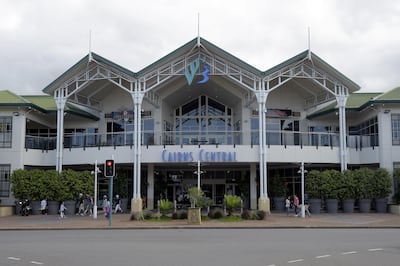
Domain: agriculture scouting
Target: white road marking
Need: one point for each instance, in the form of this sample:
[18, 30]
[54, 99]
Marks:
[322, 256]
[13, 258]
[36, 262]
[294, 261]
[375, 249]
[349, 252]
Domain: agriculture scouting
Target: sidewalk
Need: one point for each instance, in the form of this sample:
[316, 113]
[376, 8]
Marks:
[275, 220]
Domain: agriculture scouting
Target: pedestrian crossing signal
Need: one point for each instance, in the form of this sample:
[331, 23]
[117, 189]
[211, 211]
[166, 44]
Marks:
[109, 168]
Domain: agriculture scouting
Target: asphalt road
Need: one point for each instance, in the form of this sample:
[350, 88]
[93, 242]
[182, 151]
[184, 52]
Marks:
[192, 247]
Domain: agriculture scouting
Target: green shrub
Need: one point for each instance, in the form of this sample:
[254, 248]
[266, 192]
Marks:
[246, 215]
[261, 215]
[216, 213]
[232, 203]
[381, 183]
[180, 215]
[165, 206]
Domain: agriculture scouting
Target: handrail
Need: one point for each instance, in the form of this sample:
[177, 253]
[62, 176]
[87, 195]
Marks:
[215, 137]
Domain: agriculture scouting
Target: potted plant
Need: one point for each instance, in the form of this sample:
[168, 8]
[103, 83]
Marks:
[330, 188]
[313, 190]
[165, 206]
[382, 187]
[278, 190]
[363, 179]
[347, 191]
[194, 213]
[232, 202]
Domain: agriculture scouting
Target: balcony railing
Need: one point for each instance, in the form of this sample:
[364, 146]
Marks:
[282, 138]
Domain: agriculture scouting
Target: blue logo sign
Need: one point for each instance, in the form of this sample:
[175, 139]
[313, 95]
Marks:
[191, 70]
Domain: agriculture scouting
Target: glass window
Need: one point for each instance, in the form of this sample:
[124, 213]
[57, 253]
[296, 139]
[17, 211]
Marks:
[396, 129]
[4, 180]
[5, 131]
[203, 120]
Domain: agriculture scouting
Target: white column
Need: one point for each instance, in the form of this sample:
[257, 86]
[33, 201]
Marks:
[341, 98]
[137, 101]
[60, 97]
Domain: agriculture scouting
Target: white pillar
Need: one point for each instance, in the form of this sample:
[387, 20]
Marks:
[60, 97]
[341, 98]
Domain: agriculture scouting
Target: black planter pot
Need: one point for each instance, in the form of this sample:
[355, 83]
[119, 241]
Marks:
[70, 205]
[348, 205]
[17, 208]
[364, 205]
[381, 205]
[315, 205]
[52, 207]
[35, 204]
[331, 205]
[279, 203]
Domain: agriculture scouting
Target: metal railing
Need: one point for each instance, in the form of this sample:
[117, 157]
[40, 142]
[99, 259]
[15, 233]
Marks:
[281, 138]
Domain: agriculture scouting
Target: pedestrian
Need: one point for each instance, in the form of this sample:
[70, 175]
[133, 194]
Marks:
[43, 206]
[287, 205]
[62, 210]
[105, 205]
[296, 204]
[108, 208]
[89, 204]
[80, 204]
[117, 204]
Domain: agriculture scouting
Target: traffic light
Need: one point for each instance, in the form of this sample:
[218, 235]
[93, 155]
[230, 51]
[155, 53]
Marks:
[109, 168]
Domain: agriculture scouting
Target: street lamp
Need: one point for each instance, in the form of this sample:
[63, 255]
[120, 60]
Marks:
[198, 172]
[302, 171]
[95, 172]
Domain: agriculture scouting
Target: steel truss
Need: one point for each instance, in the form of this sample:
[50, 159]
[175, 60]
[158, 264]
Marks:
[258, 84]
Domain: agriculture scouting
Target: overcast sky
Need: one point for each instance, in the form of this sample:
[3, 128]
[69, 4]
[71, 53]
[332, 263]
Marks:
[40, 39]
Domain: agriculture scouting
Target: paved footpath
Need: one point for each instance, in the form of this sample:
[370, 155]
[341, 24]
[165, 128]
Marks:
[274, 220]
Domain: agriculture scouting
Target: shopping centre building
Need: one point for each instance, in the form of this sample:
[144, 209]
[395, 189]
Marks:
[199, 116]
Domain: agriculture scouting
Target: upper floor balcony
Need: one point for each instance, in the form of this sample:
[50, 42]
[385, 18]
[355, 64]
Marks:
[181, 138]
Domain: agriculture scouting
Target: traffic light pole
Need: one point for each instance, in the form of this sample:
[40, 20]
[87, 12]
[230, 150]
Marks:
[111, 201]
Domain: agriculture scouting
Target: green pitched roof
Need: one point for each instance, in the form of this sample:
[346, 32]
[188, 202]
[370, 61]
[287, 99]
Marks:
[8, 98]
[355, 102]
[392, 96]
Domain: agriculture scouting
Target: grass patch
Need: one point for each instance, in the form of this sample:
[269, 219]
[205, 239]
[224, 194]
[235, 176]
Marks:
[231, 219]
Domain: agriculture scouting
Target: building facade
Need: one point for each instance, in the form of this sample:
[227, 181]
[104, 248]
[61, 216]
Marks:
[199, 117]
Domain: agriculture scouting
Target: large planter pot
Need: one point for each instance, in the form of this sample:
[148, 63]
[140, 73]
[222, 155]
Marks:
[381, 205]
[279, 203]
[52, 207]
[124, 204]
[348, 205]
[364, 205]
[315, 205]
[35, 204]
[194, 215]
[331, 205]
[70, 205]
[17, 208]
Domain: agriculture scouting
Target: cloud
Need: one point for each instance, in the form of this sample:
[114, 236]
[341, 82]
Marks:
[41, 39]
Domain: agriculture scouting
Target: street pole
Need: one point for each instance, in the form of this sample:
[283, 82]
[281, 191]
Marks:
[111, 202]
[303, 210]
[198, 175]
[96, 170]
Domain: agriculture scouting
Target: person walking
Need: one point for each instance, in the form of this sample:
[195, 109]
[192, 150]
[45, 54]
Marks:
[62, 210]
[118, 204]
[43, 206]
[296, 205]
[89, 204]
[287, 205]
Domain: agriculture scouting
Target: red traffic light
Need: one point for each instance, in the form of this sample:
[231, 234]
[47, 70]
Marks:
[109, 170]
